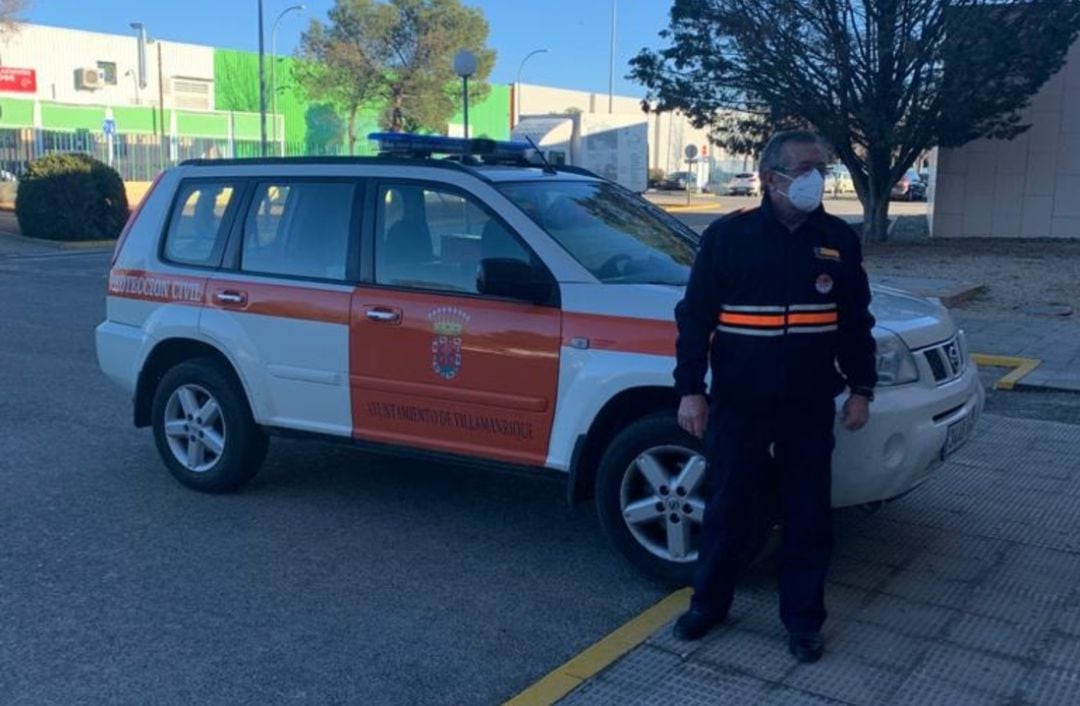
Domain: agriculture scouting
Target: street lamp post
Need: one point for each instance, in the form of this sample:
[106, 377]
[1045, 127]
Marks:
[517, 93]
[273, 67]
[262, 84]
[465, 66]
[143, 41]
[134, 84]
[611, 63]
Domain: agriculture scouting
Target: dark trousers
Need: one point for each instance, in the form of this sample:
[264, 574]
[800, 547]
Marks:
[738, 442]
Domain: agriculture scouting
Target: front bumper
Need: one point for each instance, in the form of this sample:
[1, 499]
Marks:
[903, 443]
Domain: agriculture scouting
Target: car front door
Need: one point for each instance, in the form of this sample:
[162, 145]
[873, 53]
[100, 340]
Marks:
[433, 363]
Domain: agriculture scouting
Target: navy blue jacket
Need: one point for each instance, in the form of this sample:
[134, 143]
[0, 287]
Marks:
[785, 313]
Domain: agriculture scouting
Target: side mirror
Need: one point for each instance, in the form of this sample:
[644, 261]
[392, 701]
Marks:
[513, 279]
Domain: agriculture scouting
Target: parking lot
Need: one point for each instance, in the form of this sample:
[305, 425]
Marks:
[344, 577]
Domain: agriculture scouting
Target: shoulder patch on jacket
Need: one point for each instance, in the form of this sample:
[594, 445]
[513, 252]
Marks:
[827, 254]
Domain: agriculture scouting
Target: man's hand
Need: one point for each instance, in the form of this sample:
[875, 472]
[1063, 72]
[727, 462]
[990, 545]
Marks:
[856, 412]
[694, 414]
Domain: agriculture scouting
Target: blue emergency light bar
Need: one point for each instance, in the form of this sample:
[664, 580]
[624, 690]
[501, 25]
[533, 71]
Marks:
[403, 143]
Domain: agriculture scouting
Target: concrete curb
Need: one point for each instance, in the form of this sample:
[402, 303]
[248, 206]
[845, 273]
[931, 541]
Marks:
[60, 244]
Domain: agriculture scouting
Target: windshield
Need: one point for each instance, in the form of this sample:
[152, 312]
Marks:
[616, 235]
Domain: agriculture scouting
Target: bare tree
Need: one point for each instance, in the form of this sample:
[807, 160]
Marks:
[11, 12]
[881, 80]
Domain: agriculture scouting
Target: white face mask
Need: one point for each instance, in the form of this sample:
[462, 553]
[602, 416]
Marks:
[805, 191]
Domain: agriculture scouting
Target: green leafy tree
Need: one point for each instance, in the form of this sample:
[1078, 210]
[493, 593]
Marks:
[881, 80]
[422, 92]
[397, 55]
[340, 62]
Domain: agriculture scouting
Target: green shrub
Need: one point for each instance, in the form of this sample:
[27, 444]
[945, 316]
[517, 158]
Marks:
[71, 197]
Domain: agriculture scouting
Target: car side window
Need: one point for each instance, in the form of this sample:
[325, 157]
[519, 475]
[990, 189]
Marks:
[196, 234]
[431, 238]
[298, 229]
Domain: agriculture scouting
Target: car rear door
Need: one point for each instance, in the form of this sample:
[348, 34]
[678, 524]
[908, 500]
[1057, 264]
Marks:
[280, 306]
[434, 364]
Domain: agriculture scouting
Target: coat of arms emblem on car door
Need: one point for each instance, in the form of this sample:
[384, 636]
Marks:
[448, 324]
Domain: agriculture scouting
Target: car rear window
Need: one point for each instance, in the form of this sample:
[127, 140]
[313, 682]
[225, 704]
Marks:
[198, 225]
[299, 229]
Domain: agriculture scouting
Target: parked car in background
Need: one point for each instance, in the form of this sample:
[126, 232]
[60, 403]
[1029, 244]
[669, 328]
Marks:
[838, 181]
[679, 181]
[910, 187]
[745, 184]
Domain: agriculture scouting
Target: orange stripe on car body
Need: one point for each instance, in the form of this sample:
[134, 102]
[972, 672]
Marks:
[620, 333]
[326, 306]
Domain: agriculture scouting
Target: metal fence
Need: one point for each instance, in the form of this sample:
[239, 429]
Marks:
[137, 157]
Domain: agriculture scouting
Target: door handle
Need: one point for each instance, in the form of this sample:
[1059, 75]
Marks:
[231, 297]
[384, 316]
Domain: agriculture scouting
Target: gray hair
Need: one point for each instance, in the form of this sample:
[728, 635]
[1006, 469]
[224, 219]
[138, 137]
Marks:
[772, 157]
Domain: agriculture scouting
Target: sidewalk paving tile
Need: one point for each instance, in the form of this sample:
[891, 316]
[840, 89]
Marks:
[993, 635]
[977, 670]
[1051, 687]
[928, 588]
[780, 695]
[748, 653]
[1062, 652]
[921, 690]
[846, 680]
[877, 646]
[907, 617]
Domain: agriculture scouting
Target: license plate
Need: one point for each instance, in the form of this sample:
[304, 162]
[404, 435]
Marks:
[957, 434]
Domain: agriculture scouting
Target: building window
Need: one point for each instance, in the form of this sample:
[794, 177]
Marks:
[108, 72]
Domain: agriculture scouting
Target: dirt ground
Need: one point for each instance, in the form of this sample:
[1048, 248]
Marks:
[1016, 272]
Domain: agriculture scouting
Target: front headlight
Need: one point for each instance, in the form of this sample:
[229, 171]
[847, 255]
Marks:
[895, 363]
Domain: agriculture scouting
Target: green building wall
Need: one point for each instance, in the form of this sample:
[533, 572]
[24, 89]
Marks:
[236, 88]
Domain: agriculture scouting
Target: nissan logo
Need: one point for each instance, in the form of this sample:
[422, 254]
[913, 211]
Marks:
[953, 352]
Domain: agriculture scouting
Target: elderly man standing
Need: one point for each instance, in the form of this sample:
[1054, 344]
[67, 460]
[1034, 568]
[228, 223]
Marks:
[777, 304]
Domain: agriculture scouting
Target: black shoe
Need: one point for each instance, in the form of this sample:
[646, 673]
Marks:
[693, 625]
[806, 646]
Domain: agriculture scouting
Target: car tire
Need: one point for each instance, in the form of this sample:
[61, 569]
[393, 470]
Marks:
[657, 431]
[232, 445]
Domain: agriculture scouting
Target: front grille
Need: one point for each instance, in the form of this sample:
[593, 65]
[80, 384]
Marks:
[947, 360]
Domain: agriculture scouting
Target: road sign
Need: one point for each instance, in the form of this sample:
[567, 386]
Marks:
[108, 126]
[690, 151]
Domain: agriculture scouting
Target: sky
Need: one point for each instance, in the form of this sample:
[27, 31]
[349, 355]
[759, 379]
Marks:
[576, 33]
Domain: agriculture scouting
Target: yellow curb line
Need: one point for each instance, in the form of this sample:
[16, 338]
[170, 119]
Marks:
[571, 675]
[1020, 367]
[674, 208]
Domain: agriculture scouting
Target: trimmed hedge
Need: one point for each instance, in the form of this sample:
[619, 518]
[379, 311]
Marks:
[71, 197]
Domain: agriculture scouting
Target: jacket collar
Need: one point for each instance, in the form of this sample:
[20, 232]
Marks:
[769, 212]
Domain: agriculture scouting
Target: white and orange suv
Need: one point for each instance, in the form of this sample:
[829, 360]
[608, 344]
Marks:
[473, 307]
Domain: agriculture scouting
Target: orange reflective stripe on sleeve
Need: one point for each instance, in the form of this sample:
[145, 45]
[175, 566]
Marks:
[822, 318]
[751, 319]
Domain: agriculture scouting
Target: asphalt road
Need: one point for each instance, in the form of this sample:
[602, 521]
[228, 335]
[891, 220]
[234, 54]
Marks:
[334, 577]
